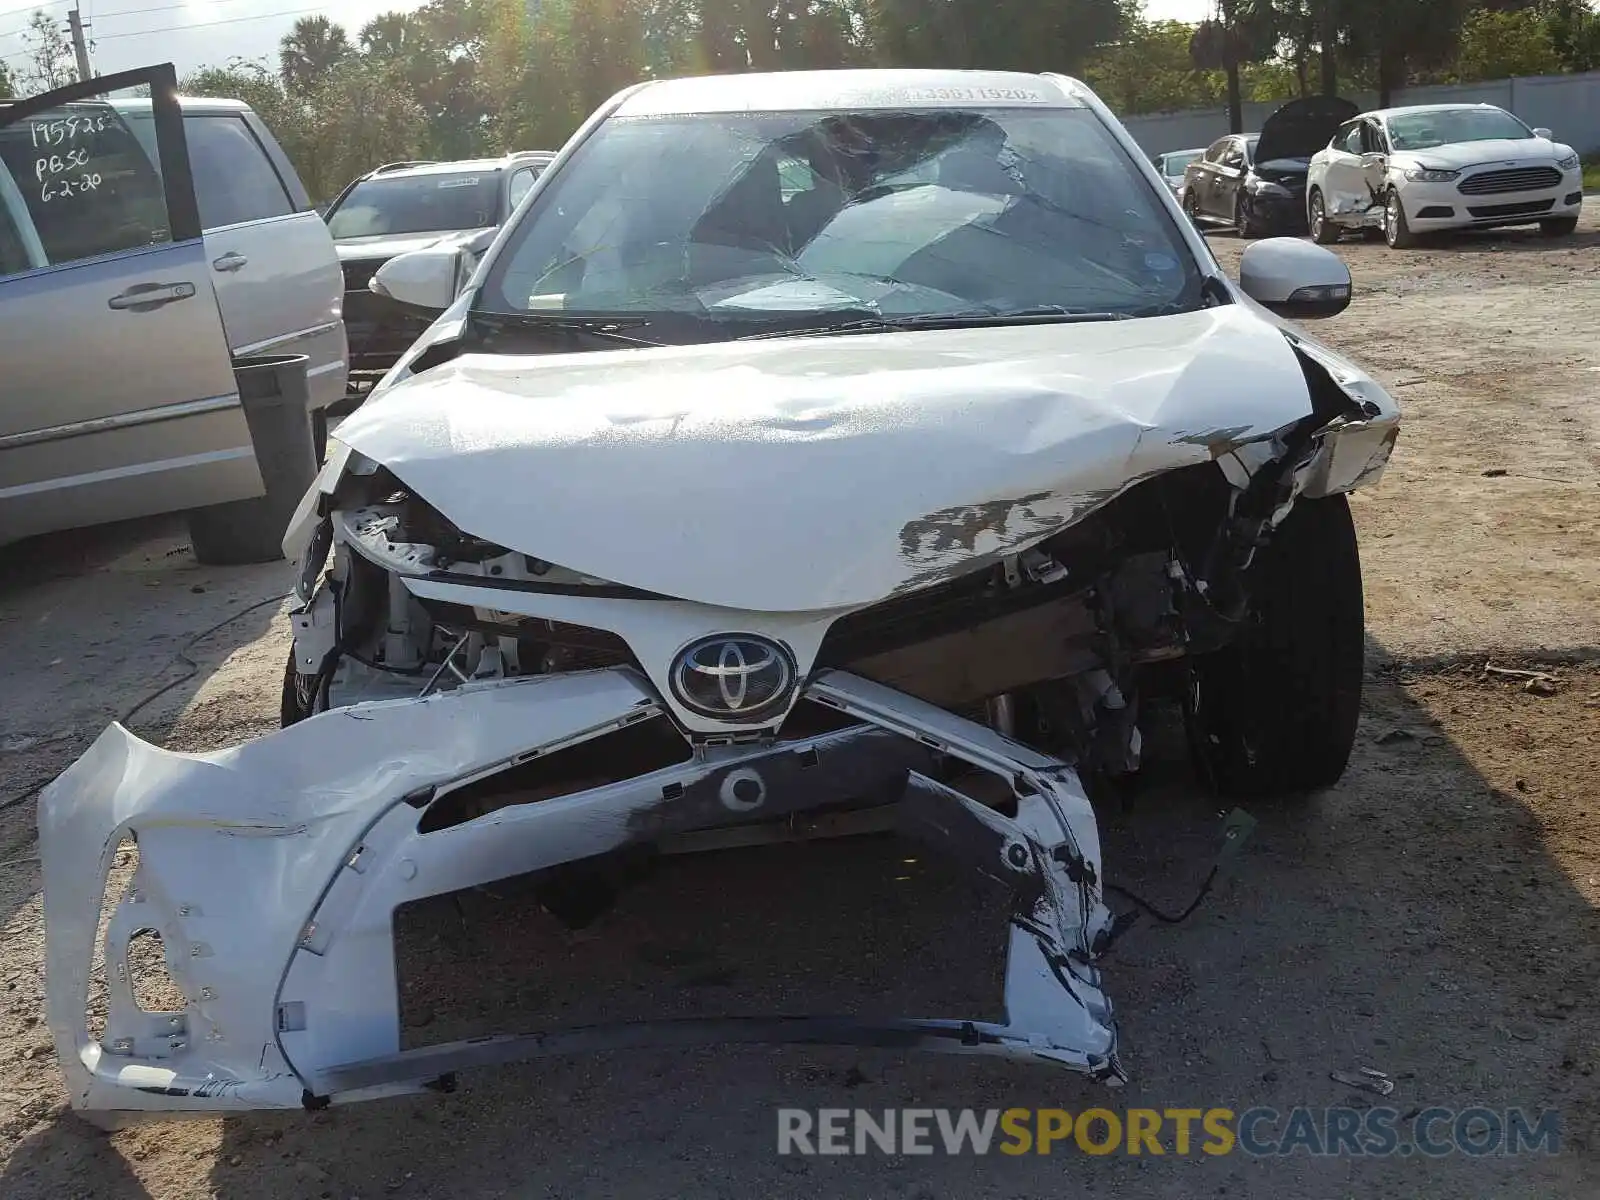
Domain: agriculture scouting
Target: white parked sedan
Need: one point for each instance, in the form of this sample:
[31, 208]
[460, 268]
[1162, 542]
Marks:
[804, 441]
[1410, 171]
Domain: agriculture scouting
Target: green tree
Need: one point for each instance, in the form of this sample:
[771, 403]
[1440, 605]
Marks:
[1242, 32]
[358, 117]
[1023, 35]
[1575, 32]
[1401, 37]
[1150, 70]
[1307, 31]
[1497, 45]
[49, 61]
[256, 84]
[310, 51]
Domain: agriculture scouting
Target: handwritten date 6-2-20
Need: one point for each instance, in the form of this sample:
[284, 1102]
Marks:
[64, 188]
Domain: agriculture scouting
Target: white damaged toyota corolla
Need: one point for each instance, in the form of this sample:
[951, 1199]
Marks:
[815, 452]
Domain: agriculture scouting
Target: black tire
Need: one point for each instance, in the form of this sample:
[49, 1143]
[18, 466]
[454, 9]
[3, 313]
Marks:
[1395, 229]
[1243, 223]
[1323, 231]
[1275, 712]
[243, 531]
[293, 705]
[319, 435]
[1560, 227]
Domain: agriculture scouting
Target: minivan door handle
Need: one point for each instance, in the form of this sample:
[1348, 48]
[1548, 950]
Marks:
[231, 261]
[142, 297]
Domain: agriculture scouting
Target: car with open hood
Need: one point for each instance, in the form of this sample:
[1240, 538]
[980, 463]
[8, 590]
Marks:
[1432, 168]
[1256, 183]
[812, 453]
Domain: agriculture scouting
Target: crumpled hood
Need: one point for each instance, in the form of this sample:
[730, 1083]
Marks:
[384, 246]
[813, 473]
[1502, 152]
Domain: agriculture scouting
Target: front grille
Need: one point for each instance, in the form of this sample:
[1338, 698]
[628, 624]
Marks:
[1526, 209]
[1519, 179]
[358, 274]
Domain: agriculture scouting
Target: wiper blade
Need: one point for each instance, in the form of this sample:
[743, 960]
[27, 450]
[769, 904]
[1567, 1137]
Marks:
[1040, 315]
[607, 328]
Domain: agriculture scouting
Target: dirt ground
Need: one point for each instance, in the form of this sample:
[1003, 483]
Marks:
[1433, 917]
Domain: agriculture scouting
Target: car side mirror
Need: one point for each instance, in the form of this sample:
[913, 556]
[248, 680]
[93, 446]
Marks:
[1544, 133]
[1295, 279]
[423, 279]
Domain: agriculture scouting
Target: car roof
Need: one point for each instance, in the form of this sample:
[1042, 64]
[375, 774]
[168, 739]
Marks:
[1383, 114]
[808, 91]
[457, 166]
[198, 105]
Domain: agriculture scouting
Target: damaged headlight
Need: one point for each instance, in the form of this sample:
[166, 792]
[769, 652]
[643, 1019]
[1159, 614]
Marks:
[1569, 163]
[1265, 187]
[1430, 175]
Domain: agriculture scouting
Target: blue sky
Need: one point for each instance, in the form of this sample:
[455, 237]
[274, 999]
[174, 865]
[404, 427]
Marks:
[193, 33]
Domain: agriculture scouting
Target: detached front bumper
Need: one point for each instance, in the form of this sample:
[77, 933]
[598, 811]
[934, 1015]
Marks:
[271, 872]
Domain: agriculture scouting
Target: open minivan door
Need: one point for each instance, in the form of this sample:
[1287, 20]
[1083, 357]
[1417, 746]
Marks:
[118, 396]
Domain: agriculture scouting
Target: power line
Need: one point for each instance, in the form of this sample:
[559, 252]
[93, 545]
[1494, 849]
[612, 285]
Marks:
[139, 12]
[299, 12]
[19, 30]
[6, 12]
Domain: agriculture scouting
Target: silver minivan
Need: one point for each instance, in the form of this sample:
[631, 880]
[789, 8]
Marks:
[143, 244]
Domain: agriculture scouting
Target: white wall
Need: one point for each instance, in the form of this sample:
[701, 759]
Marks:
[1569, 105]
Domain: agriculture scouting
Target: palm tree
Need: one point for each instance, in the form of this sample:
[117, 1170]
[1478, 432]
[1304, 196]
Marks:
[310, 51]
[392, 35]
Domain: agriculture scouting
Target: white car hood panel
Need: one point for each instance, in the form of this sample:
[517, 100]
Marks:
[821, 473]
[1461, 155]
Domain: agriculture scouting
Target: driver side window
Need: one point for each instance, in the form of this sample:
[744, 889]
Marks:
[79, 184]
[1217, 150]
[1349, 138]
[1372, 140]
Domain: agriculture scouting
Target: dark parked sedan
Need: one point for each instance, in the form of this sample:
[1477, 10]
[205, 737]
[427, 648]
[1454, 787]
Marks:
[1257, 182]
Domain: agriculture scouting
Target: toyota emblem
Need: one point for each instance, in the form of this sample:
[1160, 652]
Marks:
[737, 677]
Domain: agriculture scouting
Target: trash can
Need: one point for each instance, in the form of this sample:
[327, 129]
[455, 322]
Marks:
[276, 398]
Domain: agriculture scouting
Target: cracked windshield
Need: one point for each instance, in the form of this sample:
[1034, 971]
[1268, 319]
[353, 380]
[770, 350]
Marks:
[739, 222]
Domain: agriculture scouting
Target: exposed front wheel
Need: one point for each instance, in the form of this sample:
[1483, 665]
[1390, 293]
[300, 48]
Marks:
[1395, 230]
[1244, 224]
[296, 701]
[1560, 227]
[1323, 231]
[1274, 712]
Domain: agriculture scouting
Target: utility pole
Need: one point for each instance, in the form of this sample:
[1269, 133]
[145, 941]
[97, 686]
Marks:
[79, 46]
